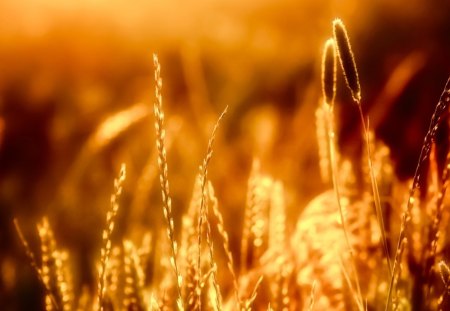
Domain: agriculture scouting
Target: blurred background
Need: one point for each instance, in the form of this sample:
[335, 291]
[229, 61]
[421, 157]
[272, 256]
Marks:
[77, 89]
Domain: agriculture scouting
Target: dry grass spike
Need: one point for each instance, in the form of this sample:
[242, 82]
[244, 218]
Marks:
[49, 268]
[203, 217]
[107, 232]
[438, 115]
[226, 241]
[347, 59]
[329, 72]
[163, 177]
[34, 265]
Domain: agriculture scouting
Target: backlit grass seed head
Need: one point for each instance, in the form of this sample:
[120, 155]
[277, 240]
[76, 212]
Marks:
[347, 59]
[329, 72]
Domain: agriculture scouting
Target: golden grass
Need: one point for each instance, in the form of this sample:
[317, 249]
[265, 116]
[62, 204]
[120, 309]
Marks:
[329, 72]
[347, 59]
[162, 163]
[203, 217]
[350, 71]
[336, 258]
[107, 232]
[49, 295]
[430, 137]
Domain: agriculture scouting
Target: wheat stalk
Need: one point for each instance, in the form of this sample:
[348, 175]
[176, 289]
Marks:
[48, 265]
[164, 181]
[107, 233]
[255, 216]
[277, 226]
[259, 221]
[249, 206]
[53, 268]
[134, 278]
[203, 213]
[226, 242]
[188, 248]
[34, 265]
[65, 280]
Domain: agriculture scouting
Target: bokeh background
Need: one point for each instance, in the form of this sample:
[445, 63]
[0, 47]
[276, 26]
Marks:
[76, 95]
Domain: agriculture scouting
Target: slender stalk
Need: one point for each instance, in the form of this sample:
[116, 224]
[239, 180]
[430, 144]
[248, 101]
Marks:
[334, 177]
[440, 110]
[375, 191]
[107, 233]
[226, 243]
[312, 299]
[163, 178]
[203, 215]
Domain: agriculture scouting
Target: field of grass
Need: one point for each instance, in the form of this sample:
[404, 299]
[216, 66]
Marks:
[233, 184]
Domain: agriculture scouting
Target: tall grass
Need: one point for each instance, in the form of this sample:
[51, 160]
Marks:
[337, 257]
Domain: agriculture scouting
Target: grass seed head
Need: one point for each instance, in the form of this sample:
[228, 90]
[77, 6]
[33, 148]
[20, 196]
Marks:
[329, 72]
[347, 59]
